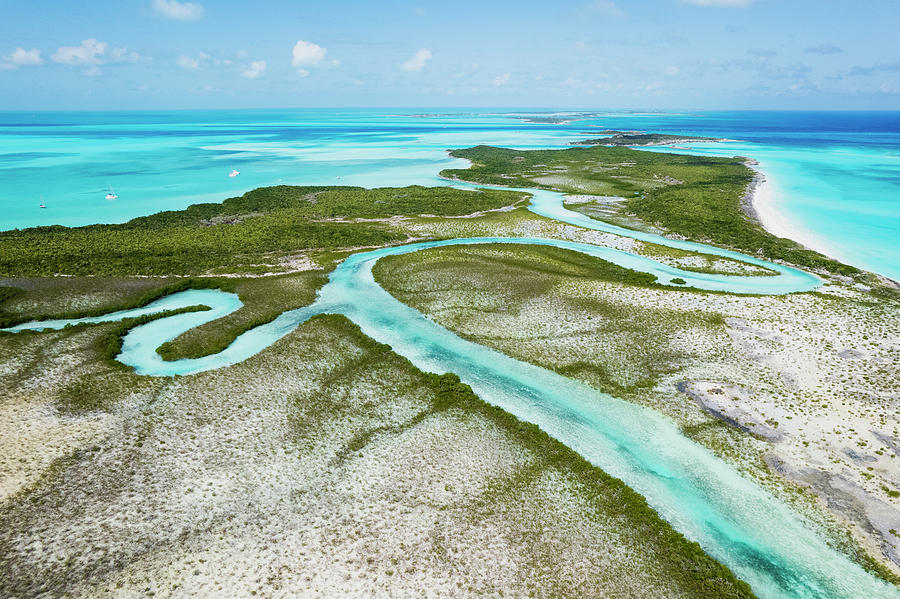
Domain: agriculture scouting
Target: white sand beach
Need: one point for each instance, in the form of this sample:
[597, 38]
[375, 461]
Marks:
[765, 205]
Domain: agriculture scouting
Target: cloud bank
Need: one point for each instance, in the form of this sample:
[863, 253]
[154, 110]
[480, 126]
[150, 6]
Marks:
[91, 54]
[306, 54]
[20, 57]
[418, 60]
[501, 79]
[178, 11]
[256, 68]
[88, 53]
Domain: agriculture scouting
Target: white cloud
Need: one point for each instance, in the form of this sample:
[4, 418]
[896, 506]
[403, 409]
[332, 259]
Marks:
[738, 3]
[606, 7]
[501, 79]
[193, 63]
[179, 11]
[122, 55]
[306, 54]
[418, 60]
[20, 57]
[256, 68]
[672, 71]
[187, 62]
[88, 53]
[92, 54]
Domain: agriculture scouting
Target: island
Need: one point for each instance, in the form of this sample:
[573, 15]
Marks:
[378, 437]
[636, 138]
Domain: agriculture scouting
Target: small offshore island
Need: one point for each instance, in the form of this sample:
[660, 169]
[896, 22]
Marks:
[636, 138]
[330, 463]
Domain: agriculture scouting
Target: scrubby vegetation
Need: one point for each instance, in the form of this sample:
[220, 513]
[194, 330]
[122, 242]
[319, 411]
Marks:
[7, 293]
[688, 564]
[254, 231]
[124, 301]
[348, 480]
[536, 260]
[264, 299]
[489, 294]
[240, 233]
[698, 197]
[638, 343]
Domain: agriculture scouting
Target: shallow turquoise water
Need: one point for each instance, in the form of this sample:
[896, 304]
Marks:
[837, 175]
[220, 302]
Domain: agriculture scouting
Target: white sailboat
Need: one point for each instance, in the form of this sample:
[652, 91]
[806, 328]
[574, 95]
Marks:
[42, 202]
[234, 173]
[111, 195]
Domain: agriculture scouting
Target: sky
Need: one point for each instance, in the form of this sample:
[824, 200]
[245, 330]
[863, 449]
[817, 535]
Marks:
[590, 54]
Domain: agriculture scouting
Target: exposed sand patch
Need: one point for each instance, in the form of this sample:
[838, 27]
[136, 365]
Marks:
[732, 404]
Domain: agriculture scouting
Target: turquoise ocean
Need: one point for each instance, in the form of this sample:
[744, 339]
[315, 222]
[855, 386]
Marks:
[834, 175]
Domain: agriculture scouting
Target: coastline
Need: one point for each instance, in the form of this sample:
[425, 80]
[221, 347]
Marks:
[760, 205]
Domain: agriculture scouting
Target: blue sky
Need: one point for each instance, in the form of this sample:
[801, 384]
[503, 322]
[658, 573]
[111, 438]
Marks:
[641, 54]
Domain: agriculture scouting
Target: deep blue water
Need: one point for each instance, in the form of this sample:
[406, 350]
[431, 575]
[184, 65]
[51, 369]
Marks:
[835, 175]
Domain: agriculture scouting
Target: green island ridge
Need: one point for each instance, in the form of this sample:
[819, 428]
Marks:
[620, 138]
[328, 438]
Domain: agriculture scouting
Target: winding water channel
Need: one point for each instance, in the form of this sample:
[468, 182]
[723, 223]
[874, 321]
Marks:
[762, 540]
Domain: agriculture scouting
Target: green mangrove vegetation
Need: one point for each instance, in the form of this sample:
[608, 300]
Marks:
[698, 197]
[264, 298]
[77, 297]
[338, 383]
[688, 565]
[541, 306]
[494, 295]
[704, 263]
[249, 234]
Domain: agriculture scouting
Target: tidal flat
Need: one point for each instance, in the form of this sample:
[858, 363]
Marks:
[817, 368]
[325, 465]
[352, 452]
